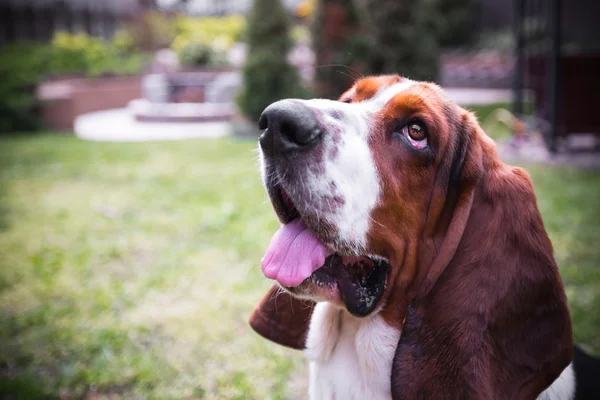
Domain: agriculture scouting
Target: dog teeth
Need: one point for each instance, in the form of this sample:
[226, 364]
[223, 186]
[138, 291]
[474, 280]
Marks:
[317, 281]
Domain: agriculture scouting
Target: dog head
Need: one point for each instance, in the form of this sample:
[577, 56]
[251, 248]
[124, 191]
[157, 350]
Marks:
[359, 185]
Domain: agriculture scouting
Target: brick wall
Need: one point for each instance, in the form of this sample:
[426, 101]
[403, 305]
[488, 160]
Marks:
[64, 100]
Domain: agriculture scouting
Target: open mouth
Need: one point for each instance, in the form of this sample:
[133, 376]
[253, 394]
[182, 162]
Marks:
[300, 261]
[284, 207]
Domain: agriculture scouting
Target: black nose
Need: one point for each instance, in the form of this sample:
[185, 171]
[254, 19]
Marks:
[289, 126]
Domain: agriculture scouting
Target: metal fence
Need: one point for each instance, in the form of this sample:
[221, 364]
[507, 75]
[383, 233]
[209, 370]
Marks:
[557, 60]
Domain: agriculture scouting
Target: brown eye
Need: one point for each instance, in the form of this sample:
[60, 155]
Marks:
[416, 134]
[416, 131]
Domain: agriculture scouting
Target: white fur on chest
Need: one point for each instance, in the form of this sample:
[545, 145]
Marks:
[350, 358]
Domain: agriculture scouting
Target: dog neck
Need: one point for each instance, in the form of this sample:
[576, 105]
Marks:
[349, 357]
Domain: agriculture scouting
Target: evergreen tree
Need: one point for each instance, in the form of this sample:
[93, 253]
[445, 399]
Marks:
[406, 38]
[268, 76]
[370, 37]
[456, 25]
[341, 49]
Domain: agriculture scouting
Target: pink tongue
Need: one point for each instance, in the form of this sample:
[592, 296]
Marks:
[293, 254]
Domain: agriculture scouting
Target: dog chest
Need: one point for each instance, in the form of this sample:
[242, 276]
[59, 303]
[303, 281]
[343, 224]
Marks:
[350, 358]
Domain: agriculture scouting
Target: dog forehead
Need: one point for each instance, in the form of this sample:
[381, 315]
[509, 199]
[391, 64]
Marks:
[376, 91]
[387, 93]
[371, 95]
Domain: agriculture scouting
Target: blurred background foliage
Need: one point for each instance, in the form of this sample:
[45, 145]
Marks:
[204, 42]
[21, 67]
[220, 31]
[343, 34]
[268, 75]
[199, 42]
[81, 54]
[370, 37]
[24, 65]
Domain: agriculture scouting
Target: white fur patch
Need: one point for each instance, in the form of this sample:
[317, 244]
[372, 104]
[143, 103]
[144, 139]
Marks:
[349, 169]
[350, 358]
[384, 95]
[563, 388]
[263, 169]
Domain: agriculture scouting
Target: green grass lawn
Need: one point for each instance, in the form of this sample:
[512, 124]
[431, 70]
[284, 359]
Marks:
[129, 270]
[499, 130]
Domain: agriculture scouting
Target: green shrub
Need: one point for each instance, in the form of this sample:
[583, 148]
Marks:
[124, 42]
[91, 56]
[220, 32]
[268, 76]
[371, 37]
[454, 21]
[201, 54]
[341, 48]
[76, 53]
[405, 38]
[151, 31]
[22, 66]
[204, 41]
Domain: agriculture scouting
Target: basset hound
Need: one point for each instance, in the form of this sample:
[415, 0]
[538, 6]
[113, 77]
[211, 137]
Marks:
[417, 262]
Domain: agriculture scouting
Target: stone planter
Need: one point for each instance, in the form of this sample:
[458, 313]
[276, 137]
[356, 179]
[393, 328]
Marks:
[65, 99]
[146, 111]
[205, 95]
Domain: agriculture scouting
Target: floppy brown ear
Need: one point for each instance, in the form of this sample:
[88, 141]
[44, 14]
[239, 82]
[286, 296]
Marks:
[452, 201]
[491, 319]
[282, 318]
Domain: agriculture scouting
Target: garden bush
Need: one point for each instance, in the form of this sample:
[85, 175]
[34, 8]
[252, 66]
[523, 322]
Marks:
[410, 49]
[198, 42]
[205, 41]
[199, 54]
[268, 76]
[73, 54]
[223, 30]
[151, 31]
[371, 37]
[90, 56]
[342, 50]
[455, 22]
[24, 64]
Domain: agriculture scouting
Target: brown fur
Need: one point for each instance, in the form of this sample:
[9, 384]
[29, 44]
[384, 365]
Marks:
[472, 270]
